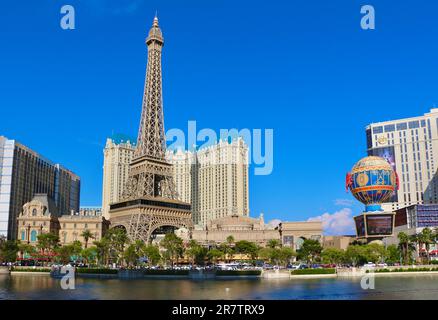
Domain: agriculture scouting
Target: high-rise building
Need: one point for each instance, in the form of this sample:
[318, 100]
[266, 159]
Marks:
[214, 189]
[411, 147]
[24, 173]
[118, 154]
[213, 179]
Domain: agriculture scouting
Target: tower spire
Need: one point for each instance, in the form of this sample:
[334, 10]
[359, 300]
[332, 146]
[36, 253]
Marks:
[151, 140]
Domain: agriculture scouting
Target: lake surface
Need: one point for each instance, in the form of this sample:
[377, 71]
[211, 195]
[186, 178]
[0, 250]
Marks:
[44, 287]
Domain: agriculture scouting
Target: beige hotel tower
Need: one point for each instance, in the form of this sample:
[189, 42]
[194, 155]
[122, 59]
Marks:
[411, 146]
[118, 154]
[214, 179]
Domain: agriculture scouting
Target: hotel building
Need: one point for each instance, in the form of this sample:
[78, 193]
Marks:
[118, 154]
[214, 180]
[41, 215]
[24, 173]
[411, 146]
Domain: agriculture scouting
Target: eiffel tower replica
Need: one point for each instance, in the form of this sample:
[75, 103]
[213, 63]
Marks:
[149, 200]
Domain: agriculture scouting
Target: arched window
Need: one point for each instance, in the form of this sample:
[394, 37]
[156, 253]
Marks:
[33, 236]
[34, 212]
[23, 235]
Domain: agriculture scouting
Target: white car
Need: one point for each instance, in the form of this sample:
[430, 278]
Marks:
[383, 265]
[370, 265]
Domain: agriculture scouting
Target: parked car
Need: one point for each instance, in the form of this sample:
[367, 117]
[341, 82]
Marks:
[382, 265]
[369, 265]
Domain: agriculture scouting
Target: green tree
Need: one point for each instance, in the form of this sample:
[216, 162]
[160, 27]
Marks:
[355, 254]
[393, 254]
[87, 235]
[8, 251]
[265, 254]
[64, 253]
[117, 239]
[47, 242]
[285, 254]
[26, 249]
[406, 246]
[214, 255]
[76, 249]
[375, 252]
[192, 250]
[273, 243]
[131, 255]
[310, 250]
[333, 256]
[152, 252]
[426, 237]
[174, 247]
[246, 247]
[89, 254]
[227, 251]
[102, 251]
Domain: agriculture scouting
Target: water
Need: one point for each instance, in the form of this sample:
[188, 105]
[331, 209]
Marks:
[44, 287]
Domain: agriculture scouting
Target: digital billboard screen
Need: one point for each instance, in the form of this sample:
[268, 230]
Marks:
[379, 224]
[360, 226]
[389, 154]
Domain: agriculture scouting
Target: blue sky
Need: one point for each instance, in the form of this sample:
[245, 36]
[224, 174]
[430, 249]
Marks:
[303, 68]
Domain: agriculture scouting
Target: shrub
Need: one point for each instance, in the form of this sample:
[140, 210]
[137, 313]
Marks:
[166, 272]
[313, 271]
[96, 271]
[31, 269]
[405, 270]
[238, 272]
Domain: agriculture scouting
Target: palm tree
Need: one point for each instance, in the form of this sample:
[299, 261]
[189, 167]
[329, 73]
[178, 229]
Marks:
[87, 235]
[273, 243]
[426, 236]
[406, 245]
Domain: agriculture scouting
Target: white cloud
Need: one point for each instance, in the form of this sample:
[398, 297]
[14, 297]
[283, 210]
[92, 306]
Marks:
[339, 223]
[273, 223]
[344, 202]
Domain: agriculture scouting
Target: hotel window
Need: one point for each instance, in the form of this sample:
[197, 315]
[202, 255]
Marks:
[34, 212]
[390, 127]
[378, 129]
[33, 236]
[23, 235]
[402, 126]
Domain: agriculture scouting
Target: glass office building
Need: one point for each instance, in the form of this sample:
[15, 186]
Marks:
[23, 173]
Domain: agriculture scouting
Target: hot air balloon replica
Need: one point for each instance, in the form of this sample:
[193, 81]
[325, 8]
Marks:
[373, 181]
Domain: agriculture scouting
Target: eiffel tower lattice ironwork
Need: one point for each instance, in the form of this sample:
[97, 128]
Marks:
[149, 199]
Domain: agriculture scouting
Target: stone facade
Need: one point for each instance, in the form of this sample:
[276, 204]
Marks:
[72, 226]
[290, 234]
[338, 242]
[41, 215]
